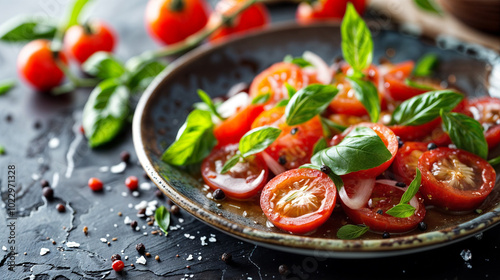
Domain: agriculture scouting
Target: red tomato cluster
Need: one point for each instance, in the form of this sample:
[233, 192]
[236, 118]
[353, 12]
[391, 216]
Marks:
[301, 200]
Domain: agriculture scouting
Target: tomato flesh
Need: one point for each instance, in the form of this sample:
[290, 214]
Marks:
[454, 179]
[242, 181]
[383, 198]
[232, 129]
[299, 200]
[486, 111]
[406, 161]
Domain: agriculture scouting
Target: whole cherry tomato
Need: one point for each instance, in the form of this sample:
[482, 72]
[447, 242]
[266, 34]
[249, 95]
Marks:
[256, 16]
[36, 63]
[326, 10]
[82, 41]
[171, 21]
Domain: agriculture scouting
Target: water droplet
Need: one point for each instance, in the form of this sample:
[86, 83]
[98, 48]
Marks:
[466, 254]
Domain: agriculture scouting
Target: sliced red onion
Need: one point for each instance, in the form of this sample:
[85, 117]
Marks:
[362, 190]
[230, 106]
[324, 73]
[275, 167]
[387, 182]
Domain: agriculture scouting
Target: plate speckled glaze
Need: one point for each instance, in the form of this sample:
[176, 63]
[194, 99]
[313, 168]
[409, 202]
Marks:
[165, 104]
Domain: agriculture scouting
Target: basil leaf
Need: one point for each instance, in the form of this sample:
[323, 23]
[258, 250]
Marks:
[361, 149]
[425, 107]
[195, 142]
[401, 211]
[6, 86]
[425, 66]
[282, 103]
[308, 102]
[103, 65]
[257, 140]
[261, 99]
[319, 145]
[494, 161]
[299, 61]
[162, 218]
[411, 83]
[466, 133]
[142, 72]
[211, 107]
[412, 189]
[357, 44]
[105, 112]
[291, 90]
[333, 125]
[2, 150]
[351, 231]
[428, 6]
[367, 94]
[230, 163]
[23, 29]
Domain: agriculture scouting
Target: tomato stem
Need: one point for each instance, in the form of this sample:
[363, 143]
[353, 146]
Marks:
[74, 80]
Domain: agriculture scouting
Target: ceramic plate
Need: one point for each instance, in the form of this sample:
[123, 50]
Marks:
[166, 103]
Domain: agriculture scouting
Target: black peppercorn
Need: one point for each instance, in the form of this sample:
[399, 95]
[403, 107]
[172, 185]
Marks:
[61, 208]
[283, 269]
[125, 156]
[386, 235]
[401, 185]
[431, 146]
[226, 257]
[325, 169]
[44, 183]
[282, 160]
[133, 224]
[218, 194]
[294, 130]
[380, 212]
[115, 257]
[422, 226]
[174, 209]
[48, 192]
[158, 194]
[140, 248]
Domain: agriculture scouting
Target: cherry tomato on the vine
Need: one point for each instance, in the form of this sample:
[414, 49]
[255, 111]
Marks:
[82, 41]
[171, 21]
[36, 63]
[242, 181]
[326, 10]
[455, 179]
[299, 200]
[256, 16]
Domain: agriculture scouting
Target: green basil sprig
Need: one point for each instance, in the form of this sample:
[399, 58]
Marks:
[103, 65]
[162, 218]
[319, 145]
[211, 107]
[425, 65]
[465, 132]
[367, 94]
[195, 141]
[412, 83]
[299, 61]
[425, 107]
[428, 6]
[24, 29]
[357, 44]
[140, 72]
[261, 99]
[253, 142]
[494, 161]
[6, 86]
[105, 112]
[308, 102]
[351, 231]
[403, 209]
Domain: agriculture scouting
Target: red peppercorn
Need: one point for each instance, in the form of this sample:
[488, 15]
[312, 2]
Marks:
[132, 183]
[118, 265]
[95, 184]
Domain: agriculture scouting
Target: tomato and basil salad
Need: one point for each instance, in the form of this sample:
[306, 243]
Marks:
[380, 143]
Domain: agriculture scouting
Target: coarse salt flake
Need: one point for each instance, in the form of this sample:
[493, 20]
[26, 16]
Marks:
[141, 260]
[212, 239]
[145, 186]
[127, 220]
[44, 251]
[190, 257]
[4, 248]
[104, 240]
[72, 244]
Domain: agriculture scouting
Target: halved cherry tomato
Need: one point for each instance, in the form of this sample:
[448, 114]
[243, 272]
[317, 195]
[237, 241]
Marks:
[455, 179]
[415, 132]
[273, 79]
[299, 200]
[256, 16]
[171, 21]
[406, 161]
[326, 10]
[395, 82]
[345, 102]
[387, 136]
[242, 181]
[486, 111]
[37, 65]
[232, 129]
[295, 144]
[83, 41]
[383, 198]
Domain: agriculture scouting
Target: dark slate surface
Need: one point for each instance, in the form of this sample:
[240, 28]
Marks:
[38, 122]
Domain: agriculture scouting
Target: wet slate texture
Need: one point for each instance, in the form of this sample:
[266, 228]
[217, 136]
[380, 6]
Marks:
[31, 123]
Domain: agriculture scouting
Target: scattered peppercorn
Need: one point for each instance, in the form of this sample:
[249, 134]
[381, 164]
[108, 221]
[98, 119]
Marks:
[115, 257]
[95, 184]
[48, 193]
[148, 254]
[114, 239]
[282, 160]
[125, 156]
[325, 169]
[109, 243]
[177, 256]
[132, 183]
[174, 209]
[37, 124]
[118, 265]
[386, 235]
[132, 265]
[283, 269]
[188, 266]
[145, 175]
[8, 118]
[141, 212]
[227, 257]
[133, 224]
[154, 232]
[120, 214]
[44, 183]
[157, 258]
[422, 226]
[431, 146]
[380, 212]
[158, 194]
[400, 143]
[53, 242]
[294, 130]
[86, 230]
[401, 184]
[218, 194]
[61, 208]
[140, 248]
